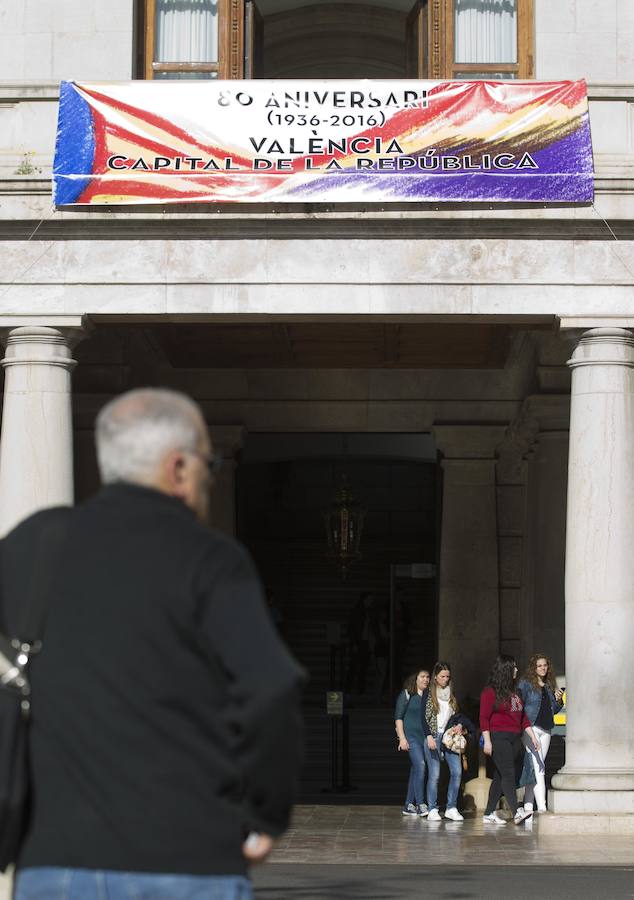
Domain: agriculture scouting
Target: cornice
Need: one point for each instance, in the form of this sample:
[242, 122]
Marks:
[17, 91]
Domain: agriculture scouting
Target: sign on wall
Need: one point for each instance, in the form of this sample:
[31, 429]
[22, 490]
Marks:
[323, 141]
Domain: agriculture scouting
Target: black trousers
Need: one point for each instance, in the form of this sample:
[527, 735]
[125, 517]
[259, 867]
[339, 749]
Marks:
[508, 756]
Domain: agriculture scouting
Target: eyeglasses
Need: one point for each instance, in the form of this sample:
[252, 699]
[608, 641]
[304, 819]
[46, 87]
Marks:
[213, 463]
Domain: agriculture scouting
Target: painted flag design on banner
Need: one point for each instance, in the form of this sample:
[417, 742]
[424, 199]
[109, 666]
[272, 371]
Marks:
[323, 141]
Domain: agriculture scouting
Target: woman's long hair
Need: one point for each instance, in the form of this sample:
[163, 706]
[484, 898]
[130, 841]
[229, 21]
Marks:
[409, 684]
[453, 703]
[502, 678]
[531, 674]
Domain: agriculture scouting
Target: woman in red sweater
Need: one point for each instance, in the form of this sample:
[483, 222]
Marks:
[502, 721]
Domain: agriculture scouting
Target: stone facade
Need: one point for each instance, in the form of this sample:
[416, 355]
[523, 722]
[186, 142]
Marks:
[561, 278]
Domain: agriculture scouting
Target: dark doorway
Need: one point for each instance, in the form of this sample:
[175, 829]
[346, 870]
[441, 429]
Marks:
[280, 504]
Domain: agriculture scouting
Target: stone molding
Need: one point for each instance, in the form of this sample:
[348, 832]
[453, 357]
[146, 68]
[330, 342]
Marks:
[521, 435]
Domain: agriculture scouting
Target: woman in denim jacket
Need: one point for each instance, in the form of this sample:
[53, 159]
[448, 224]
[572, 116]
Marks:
[542, 700]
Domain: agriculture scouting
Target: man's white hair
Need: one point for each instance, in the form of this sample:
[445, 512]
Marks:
[136, 430]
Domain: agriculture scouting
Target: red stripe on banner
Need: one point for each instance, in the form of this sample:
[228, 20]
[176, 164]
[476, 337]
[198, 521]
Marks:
[163, 124]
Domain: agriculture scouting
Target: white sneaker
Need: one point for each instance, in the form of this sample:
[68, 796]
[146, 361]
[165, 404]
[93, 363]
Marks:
[521, 815]
[528, 807]
[434, 816]
[493, 819]
[544, 810]
[453, 814]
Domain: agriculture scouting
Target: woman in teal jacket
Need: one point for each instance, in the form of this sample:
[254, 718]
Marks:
[409, 730]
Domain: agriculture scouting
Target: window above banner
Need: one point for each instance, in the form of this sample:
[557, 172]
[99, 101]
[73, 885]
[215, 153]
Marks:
[233, 39]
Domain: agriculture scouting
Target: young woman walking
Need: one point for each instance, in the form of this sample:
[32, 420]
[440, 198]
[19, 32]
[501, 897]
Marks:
[440, 713]
[502, 721]
[542, 700]
[409, 729]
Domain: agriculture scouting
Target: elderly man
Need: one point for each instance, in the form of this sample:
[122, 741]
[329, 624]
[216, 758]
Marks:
[165, 728]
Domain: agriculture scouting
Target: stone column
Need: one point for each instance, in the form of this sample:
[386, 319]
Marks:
[227, 440]
[599, 773]
[469, 618]
[36, 446]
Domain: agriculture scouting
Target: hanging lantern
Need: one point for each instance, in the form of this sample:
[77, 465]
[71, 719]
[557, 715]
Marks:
[344, 523]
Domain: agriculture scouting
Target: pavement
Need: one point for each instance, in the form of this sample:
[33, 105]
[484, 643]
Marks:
[373, 835]
[375, 853]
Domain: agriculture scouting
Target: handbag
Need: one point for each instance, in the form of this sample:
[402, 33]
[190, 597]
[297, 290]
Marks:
[458, 744]
[15, 703]
[455, 742]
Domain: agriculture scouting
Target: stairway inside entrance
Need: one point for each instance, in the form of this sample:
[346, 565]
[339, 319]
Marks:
[376, 772]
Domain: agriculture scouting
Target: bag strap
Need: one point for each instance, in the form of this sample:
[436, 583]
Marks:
[17, 648]
[51, 536]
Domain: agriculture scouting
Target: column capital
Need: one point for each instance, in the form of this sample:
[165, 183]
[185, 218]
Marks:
[468, 441]
[34, 345]
[42, 344]
[227, 439]
[604, 346]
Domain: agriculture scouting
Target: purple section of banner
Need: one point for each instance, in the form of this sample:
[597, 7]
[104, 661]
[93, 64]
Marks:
[551, 182]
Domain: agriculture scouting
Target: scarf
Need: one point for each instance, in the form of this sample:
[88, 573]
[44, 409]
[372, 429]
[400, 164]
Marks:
[430, 712]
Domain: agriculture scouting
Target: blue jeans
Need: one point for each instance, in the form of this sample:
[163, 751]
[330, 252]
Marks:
[415, 786]
[52, 883]
[432, 758]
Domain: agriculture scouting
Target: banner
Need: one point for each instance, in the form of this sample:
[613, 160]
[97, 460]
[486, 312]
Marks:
[323, 141]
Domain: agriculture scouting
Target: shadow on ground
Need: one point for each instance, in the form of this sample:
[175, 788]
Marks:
[279, 881]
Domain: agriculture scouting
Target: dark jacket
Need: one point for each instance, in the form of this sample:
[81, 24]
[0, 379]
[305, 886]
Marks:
[457, 718]
[165, 707]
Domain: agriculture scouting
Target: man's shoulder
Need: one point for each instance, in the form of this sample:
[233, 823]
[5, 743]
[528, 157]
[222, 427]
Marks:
[36, 523]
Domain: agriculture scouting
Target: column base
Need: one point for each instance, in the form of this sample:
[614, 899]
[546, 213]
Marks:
[577, 779]
[601, 803]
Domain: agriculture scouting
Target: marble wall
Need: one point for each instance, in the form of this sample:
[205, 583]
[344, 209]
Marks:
[592, 39]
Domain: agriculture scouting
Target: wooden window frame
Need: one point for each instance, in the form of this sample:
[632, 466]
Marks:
[524, 68]
[430, 44]
[230, 64]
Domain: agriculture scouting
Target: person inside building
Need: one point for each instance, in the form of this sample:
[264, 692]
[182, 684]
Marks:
[411, 738]
[502, 721]
[165, 738]
[542, 701]
[440, 713]
[361, 640]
